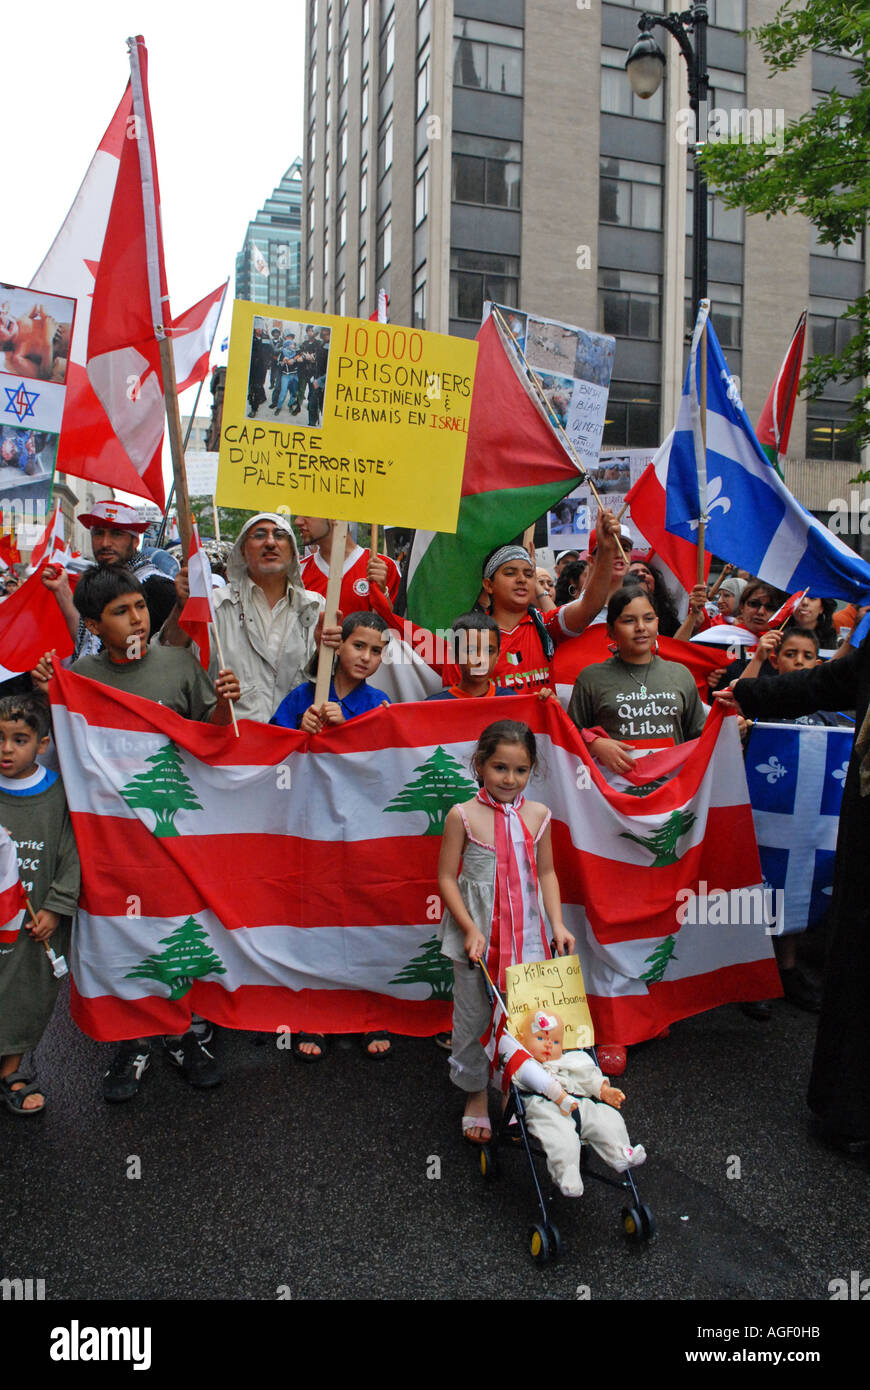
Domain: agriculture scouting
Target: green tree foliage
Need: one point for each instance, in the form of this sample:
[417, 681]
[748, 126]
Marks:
[823, 170]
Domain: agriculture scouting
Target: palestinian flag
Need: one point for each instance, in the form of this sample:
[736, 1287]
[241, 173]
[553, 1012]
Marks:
[11, 892]
[285, 881]
[775, 423]
[515, 470]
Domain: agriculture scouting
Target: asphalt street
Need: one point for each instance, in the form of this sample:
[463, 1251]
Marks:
[349, 1180]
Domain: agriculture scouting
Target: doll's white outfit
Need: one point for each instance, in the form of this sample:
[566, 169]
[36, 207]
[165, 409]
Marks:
[601, 1125]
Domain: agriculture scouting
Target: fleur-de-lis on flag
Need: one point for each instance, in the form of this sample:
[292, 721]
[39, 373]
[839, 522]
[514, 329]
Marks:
[714, 500]
[772, 770]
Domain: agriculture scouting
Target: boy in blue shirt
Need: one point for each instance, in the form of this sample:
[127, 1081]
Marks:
[363, 639]
[364, 636]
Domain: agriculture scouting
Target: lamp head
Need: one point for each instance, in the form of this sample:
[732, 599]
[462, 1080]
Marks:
[645, 66]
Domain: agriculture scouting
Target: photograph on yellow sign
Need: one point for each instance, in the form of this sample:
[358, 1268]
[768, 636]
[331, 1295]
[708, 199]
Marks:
[344, 418]
[287, 370]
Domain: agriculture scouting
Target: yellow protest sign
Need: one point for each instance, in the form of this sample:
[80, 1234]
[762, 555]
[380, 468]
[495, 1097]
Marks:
[344, 418]
[555, 984]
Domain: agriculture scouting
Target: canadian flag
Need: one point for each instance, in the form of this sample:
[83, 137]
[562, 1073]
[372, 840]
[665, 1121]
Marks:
[198, 612]
[109, 255]
[193, 334]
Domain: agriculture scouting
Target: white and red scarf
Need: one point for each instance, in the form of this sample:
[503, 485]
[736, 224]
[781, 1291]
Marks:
[512, 838]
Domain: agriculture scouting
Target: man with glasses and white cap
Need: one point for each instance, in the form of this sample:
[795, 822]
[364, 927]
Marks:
[115, 532]
[268, 624]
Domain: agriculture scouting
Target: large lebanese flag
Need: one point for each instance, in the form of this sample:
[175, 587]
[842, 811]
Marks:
[106, 256]
[290, 880]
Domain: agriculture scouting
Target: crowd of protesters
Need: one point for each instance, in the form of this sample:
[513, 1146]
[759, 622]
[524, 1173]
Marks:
[123, 615]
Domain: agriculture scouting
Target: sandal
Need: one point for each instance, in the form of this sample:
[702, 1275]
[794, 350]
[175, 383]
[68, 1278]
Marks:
[14, 1099]
[318, 1039]
[383, 1053]
[476, 1122]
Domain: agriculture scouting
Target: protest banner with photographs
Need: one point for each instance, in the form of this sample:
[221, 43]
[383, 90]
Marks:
[571, 369]
[35, 334]
[569, 523]
[344, 418]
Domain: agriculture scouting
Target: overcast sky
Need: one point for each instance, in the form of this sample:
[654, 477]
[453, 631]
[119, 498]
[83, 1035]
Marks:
[226, 86]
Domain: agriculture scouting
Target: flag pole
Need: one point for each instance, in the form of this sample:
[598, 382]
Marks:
[702, 523]
[187, 435]
[555, 421]
[333, 593]
[373, 544]
[157, 293]
[176, 444]
[58, 963]
[221, 664]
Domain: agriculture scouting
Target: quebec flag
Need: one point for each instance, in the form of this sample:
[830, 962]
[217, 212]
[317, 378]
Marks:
[796, 775]
[752, 518]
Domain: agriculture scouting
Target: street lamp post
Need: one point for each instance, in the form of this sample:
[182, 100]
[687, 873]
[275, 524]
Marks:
[645, 65]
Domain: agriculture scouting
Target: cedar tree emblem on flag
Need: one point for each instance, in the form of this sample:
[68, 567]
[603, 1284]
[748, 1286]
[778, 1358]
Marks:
[430, 968]
[659, 960]
[165, 790]
[663, 844]
[187, 957]
[440, 785]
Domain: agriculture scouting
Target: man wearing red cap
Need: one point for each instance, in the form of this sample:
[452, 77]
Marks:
[115, 530]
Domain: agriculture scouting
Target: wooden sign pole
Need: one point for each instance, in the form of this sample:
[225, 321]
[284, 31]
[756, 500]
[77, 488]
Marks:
[333, 593]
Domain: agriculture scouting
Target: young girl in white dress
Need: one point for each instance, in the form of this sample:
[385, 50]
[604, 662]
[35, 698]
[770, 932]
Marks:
[499, 889]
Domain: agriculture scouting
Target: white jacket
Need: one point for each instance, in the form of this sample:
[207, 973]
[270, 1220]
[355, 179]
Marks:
[264, 681]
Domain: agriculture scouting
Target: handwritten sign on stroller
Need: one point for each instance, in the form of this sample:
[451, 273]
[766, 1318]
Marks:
[555, 984]
[344, 418]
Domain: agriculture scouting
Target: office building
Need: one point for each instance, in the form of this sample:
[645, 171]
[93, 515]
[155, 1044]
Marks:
[459, 150]
[267, 267]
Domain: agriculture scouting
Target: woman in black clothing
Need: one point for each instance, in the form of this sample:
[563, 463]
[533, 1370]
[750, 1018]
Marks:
[839, 1089]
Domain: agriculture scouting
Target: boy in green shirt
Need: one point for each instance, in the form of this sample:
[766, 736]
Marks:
[112, 603]
[34, 813]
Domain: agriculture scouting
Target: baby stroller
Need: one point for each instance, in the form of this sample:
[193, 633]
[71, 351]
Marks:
[545, 1242]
